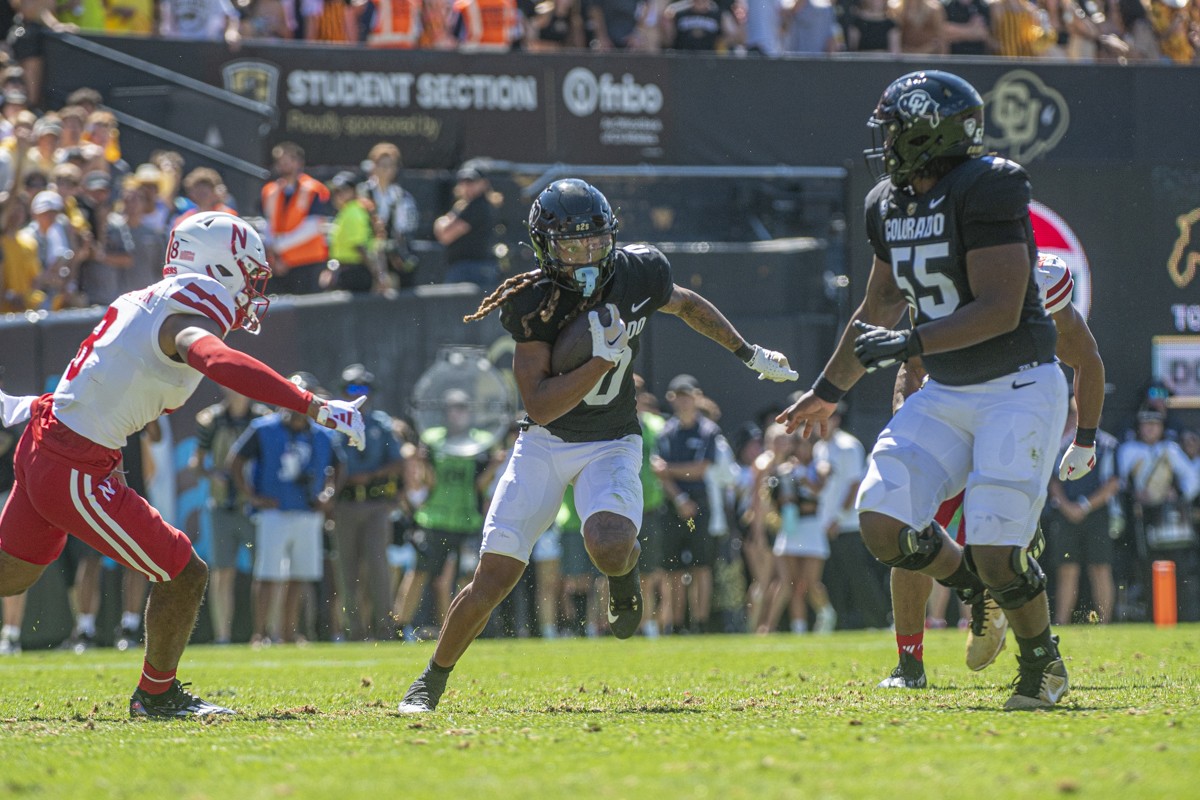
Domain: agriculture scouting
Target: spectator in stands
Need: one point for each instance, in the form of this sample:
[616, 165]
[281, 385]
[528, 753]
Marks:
[331, 21]
[206, 191]
[871, 29]
[26, 38]
[199, 20]
[73, 119]
[86, 98]
[217, 427]
[1176, 29]
[157, 209]
[292, 485]
[58, 251]
[395, 212]
[763, 27]
[149, 242]
[263, 19]
[103, 276]
[296, 207]
[700, 25]
[554, 25]
[24, 281]
[922, 24]
[101, 130]
[1079, 527]
[486, 25]
[968, 27]
[613, 24]
[1021, 29]
[67, 181]
[86, 15]
[810, 27]
[46, 133]
[354, 264]
[396, 24]
[362, 516]
[130, 17]
[466, 230]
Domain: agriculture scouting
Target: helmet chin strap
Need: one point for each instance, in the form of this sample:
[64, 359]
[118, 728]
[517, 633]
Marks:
[587, 277]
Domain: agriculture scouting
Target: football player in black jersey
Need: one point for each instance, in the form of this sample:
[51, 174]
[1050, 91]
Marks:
[954, 243]
[581, 427]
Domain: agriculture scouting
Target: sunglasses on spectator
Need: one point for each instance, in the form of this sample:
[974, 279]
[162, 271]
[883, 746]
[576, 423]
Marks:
[358, 388]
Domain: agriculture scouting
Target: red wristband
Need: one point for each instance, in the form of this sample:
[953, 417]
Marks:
[246, 375]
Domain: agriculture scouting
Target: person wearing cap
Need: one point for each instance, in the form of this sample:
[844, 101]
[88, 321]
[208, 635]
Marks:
[113, 253]
[46, 132]
[296, 207]
[352, 265]
[466, 230]
[57, 249]
[451, 510]
[287, 467]
[101, 130]
[362, 516]
[687, 447]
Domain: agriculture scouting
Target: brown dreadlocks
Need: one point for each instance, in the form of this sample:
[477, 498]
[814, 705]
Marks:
[545, 309]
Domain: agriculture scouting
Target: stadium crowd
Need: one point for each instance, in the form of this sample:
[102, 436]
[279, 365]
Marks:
[381, 547]
[1080, 30]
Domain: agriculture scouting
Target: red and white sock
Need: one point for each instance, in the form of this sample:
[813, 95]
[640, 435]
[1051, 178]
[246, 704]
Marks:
[155, 681]
[913, 644]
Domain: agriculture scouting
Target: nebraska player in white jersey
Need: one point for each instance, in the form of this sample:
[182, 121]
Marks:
[146, 357]
[910, 590]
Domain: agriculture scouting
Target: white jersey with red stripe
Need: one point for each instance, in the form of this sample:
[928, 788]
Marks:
[120, 380]
[1054, 282]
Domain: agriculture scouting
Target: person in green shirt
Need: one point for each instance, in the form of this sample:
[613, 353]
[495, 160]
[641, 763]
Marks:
[457, 454]
[351, 264]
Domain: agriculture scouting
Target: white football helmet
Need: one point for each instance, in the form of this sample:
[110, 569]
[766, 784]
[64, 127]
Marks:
[226, 248]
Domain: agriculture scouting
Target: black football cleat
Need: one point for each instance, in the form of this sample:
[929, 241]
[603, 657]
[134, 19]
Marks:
[908, 674]
[423, 696]
[1039, 684]
[174, 703]
[625, 604]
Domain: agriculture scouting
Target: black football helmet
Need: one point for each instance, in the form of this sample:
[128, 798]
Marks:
[920, 117]
[574, 233]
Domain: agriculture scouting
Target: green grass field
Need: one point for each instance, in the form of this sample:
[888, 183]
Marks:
[718, 716]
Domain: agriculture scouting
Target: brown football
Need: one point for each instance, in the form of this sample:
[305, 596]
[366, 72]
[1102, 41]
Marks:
[573, 347]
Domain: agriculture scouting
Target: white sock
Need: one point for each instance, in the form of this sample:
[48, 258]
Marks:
[86, 624]
[130, 620]
[11, 632]
[799, 626]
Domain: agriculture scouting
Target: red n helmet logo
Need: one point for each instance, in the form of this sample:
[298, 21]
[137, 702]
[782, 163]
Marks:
[238, 239]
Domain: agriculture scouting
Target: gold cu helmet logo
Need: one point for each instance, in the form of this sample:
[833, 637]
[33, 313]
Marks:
[256, 80]
[1025, 118]
[1185, 256]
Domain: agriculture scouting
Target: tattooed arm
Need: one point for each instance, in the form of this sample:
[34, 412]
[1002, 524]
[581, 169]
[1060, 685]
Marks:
[703, 317]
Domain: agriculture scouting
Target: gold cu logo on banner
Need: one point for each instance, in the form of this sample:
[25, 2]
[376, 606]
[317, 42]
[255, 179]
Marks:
[1185, 256]
[1025, 118]
[252, 79]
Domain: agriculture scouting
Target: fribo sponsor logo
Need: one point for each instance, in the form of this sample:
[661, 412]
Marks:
[586, 93]
[406, 90]
[910, 228]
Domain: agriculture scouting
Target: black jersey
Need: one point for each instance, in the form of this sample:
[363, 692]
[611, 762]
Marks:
[641, 284]
[983, 202]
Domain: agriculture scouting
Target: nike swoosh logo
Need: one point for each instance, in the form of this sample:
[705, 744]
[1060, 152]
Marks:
[613, 342]
[612, 618]
[935, 203]
[1016, 385]
[637, 306]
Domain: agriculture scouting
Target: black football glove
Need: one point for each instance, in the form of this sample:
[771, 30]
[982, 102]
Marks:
[877, 348]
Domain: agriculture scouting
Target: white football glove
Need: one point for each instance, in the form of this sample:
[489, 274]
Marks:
[608, 341]
[15, 410]
[1076, 462]
[346, 418]
[771, 366]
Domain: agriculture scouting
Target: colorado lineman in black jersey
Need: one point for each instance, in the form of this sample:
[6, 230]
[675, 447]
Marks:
[954, 245]
[581, 427]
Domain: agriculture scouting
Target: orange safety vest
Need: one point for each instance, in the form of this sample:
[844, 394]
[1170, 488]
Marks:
[296, 236]
[488, 23]
[397, 24]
